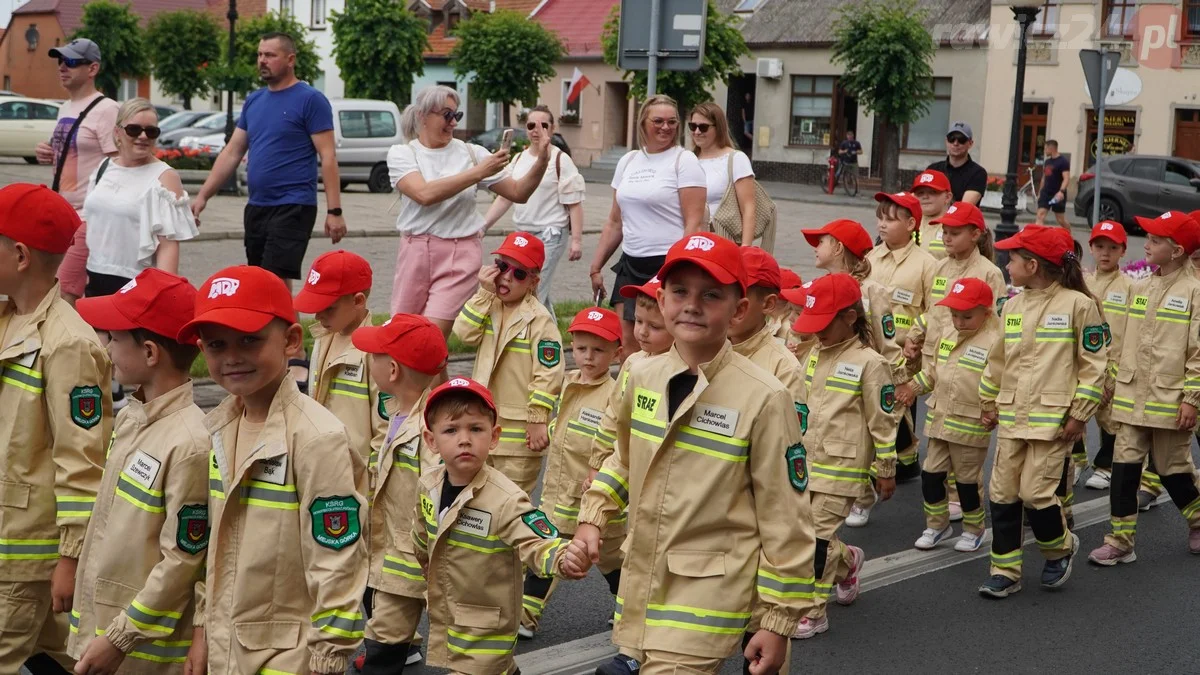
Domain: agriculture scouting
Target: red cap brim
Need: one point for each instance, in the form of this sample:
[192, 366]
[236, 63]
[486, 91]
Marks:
[813, 237]
[1109, 237]
[796, 296]
[594, 329]
[1150, 225]
[722, 275]
[811, 322]
[1012, 243]
[102, 314]
[520, 256]
[957, 302]
[632, 291]
[369, 339]
[308, 302]
[241, 320]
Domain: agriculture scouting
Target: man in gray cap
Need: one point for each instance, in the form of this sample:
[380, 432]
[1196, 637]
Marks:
[968, 180]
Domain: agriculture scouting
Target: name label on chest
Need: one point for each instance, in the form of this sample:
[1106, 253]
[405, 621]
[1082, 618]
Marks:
[353, 373]
[591, 417]
[143, 469]
[1058, 321]
[409, 447]
[1116, 296]
[27, 360]
[937, 234]
[848, 371]
[903, 296]
[716, 419]
[1176, 303]
[474, 521]
[975, 354]
[272, 470]
[524, 334]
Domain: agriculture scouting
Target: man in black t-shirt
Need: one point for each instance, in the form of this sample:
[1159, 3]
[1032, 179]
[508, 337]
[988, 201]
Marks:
[849, 149]
[1056, 175]
[968, 180]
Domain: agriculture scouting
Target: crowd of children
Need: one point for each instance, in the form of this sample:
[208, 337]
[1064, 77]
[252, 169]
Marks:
[286, 532]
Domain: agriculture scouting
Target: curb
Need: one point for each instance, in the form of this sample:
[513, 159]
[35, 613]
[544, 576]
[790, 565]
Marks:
[237, 235]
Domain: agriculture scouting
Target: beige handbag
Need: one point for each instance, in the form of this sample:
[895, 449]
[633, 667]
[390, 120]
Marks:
[727, 221]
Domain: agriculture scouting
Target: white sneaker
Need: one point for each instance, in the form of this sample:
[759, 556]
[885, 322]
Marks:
[1100, 479]
[524, 633]
[955, 512]
[968, 542]
[808, 628]
[930, 537]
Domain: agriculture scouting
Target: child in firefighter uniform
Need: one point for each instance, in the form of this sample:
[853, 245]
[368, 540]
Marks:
[933, 190]
[286, 563]
[707, 457]
[57, 419]
[786, 311]
[1042, 383]
[753, 336]
[406, 353]
[340, 375]
[1157, 385]
[145, 544]
[519, 354]
[595, 343]
[473, 529]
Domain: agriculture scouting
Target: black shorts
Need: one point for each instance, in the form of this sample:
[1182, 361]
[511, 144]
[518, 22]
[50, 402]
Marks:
[633, 271]
[100, 285]
[277, 237]
[1058, 207]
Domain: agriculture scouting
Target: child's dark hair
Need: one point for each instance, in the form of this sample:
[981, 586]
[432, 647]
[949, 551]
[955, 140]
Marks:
[862, 327]
[181, 355]
[986, 244]
[455, 404]
[1069, 274]
[761, 292]
[646, 302]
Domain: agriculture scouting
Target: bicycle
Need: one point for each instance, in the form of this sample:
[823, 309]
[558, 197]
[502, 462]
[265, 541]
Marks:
[848, 179]
[1030, 192]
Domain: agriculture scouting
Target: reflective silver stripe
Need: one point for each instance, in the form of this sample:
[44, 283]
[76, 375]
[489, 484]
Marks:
[647, 428]
[139, 493]
[776, 586]
[30, 549]
[24, 378]
[353, 388]
[214, 485]
[75, 507]
[696, 618]
[584, 429]
[339, 623]
[484, 644]
[401, 568]
[688, 436]
[162, 652]
[614, 485]
[165, 624]
[487, 545]
[265, 495]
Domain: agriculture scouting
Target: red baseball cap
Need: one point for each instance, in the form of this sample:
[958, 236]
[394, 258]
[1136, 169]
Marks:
[154, 300]
[243, 298]
[411, 339]
[599, 321]
[333, 275]
[38, 217]
[796, 296]
[649, 288]
[851, 233]
[524, 248]
[761, 268]
[827, 296]
[1178, 226]
[905, 200]
[935, 180]
[1110, 229]
[789, 279]
[968, 293]
[1049, 243]
[713, 253]
[459, 384]
[961, 214]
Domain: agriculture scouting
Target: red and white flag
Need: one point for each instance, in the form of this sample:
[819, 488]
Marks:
[578, 82]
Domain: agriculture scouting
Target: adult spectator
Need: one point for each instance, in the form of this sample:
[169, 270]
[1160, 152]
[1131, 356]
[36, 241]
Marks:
[968, 180]
[659, 198]
[554, 209]
[286, 125]
[848, 152]
[441, 251]
[81, 139]
[1056, 176]
[748, 119]
[723, 164]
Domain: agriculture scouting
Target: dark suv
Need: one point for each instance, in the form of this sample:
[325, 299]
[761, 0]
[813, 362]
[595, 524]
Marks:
[1140, 185]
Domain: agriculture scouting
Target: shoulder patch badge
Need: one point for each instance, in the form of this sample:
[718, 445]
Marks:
[192, 533]
[383, 398]
[1107, 334]
[85, 407]
[802, 413]
[1093, 338]
[549, 353]
[889, 326]
[540, 524]
[887, 398]
[335, 521]
[797, 462]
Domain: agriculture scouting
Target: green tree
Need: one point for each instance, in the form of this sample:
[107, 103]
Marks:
[115, 29]
[887, 52]
[182, 45]
[510, 54]
[374, 32]
[243, 78]
[723, 48]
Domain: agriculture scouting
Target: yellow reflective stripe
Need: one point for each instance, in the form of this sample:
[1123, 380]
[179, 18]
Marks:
[1043, 334]
[830, 472]
[712, 445]
[969, 428]
[344, 624]
[922, 380]
[69, 506]
[1163, 409]
[614, 485]
[267, 495]
[1012, 559]
[402, 568]
[843, 385]
[350, 389]
[510, 435]
[697, 619]
[1172, 316]
[1045, 419]
[157, 621]
[988, 389]
[785, 587]
[1088, 393]
[28, 549]
[21, 377]
[1119, 403]
[472, 317]
[463, 643]
[541, 398]
[151, 501]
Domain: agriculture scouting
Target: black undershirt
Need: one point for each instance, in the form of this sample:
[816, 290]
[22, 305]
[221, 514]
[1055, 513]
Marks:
[678, 389]
[449, 494]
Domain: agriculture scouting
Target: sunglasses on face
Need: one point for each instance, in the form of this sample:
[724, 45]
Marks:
[533, 125]
[663, 123]
[73, 63]
[699, 126]
[958, 140]
[518, 273]
[449, 114]
[135, 130]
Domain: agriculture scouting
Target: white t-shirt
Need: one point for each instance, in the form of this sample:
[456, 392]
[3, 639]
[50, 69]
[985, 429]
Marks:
[648, 193]
[126, 212]
[455, 217]
[561, 186]
[716, 170]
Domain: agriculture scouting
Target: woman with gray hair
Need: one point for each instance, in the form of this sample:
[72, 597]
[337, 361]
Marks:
[438, 175]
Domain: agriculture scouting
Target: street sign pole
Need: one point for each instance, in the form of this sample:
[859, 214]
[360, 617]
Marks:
[1099, 134]
[652, 67]
[1099, 69]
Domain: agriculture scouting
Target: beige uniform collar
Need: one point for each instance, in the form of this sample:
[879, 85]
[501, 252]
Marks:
[145, 414]
[410, 428]
[272, 440]
[521, 317]
[1167, 280]
[350, 354]
[901, 254]
[438, 478]
[756, 341]
[836, 350]
[707, 372]
[1036, 293]
[29, 339]
[575, 378]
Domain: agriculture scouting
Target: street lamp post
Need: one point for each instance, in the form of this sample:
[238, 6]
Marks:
[1026, 12]
[231, 187]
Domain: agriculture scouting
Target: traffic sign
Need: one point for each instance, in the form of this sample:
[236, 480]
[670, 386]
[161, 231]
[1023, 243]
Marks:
[678, 42]
[1099, 70]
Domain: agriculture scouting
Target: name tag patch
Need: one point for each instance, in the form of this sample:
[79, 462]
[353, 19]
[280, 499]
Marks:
[27, 360]
[937, 234]
[1115, 296]
[409, 448]
[590, 417]
[1058, 321]
[352, 372]
[1176, 303]
[474, 521]
[848, 371]
[716, 419]
[273, 470]
[143, 469]
[976, 354]
[902, 296]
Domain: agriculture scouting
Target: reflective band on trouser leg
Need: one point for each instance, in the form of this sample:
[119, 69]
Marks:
[697, 619]
[1182, 488]
[933, 493]
[343, 624]
[972, 507]
[480, 644]
[1050, 531]
[1006, 540]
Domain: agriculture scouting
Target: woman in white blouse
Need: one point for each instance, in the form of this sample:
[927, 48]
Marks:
[555, 207]
[659, 198]
[715, 149]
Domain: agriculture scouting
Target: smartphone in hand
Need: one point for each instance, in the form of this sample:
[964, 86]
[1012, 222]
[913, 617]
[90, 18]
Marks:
[506, 140]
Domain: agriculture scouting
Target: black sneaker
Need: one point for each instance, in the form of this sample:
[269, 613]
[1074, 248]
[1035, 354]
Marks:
[1146, 501]
[1056, 572]
[999, 586]
[620, 665]
[414, 655]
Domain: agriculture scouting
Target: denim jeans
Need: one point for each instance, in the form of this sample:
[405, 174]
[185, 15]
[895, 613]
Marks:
[555, 241]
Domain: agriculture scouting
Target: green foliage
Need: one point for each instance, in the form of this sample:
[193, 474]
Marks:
[887, 54]
[510, 54]
[243, 77]
[182, 45]
[723, 47]
[114, 28]
[378, 46]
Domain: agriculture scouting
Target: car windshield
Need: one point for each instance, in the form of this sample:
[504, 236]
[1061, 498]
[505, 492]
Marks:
[216, 120]
[178, 120]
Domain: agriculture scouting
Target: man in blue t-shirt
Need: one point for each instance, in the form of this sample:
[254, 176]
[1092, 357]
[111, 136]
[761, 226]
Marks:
[287, 125]
[1056, 175]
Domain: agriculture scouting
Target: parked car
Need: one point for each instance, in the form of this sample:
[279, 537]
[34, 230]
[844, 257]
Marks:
[213, 123]
[165, 111]
[1139, 185]
[363, 131]
[181, 119]
[490, 139]
[210, 145]
[25, 122]
[6, 92]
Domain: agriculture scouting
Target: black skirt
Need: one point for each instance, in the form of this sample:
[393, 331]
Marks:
[633, 271]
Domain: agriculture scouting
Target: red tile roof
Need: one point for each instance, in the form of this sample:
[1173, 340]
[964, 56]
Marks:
[70, 12]
[440, 45]
[578, 23]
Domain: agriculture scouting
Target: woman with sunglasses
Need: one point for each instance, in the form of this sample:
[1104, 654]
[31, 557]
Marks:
[659, 198]
[557, 205]
[437, 175]
[718, 156]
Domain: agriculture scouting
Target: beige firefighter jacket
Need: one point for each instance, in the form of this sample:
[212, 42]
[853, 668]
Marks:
[1112, 290]
[576, 427]
[907, 274]
[766, 352]
[877, 302]
[931, 239]
[606, 433]
[952, 364]
[343, 384]
[948, 271]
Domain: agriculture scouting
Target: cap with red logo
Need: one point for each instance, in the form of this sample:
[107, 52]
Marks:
[968, 293]
[154, 300]
[714, 254]
[333, 275]
[459, 384]
[649, 288]
[243, 298]
[524, 248]
[789, 279]
[761, 268]
[410, 339]
[1049, 243]
[851, 233]
[599, 321]
[1178, 226]
[1109, 229]
[934, 180]
[38, 217]
[905, 200]
[961, 214]
[827, 296]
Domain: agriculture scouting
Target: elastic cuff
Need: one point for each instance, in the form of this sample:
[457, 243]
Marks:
[593, 515]
[988, 406]
[886, 467]
[334, 663]
[777, 621]
[1192, 398]
[1082, 409]
[70, 542]
[597, 460]
[536, 414]
[118, 638]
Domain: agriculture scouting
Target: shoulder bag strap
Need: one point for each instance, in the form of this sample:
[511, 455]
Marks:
[62, 155]
[102, 169]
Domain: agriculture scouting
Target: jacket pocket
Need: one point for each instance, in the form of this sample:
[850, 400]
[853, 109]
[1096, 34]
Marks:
[840, 449]
[256, 635]
[696, 564]
[1125, 374]
[113, 593]
[476, 616]
[1006, 397]
[1056, 399]
[14, 495]
[1168, 381]
[16, 613]
[965, 410]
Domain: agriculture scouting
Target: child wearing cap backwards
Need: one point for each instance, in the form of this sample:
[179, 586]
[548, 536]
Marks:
[752, 335]
[406, 354]
[145, 543]
[286, 564]
[1042, 383]
[707, 458]
[473, 529]
[596, 344]
[55, 394]
[847, 415]
[519, 354]
[954, 359]
[339, 377]
[1157, 389]
[933, 190]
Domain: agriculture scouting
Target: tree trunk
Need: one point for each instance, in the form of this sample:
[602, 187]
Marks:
[507, 113]
[187, 102]
[889, 156]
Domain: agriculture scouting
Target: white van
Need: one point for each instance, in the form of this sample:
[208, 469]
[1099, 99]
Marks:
[364, 130]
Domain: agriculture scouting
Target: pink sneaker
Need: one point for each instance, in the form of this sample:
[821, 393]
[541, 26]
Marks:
[847, 591]
[1109, 555]
[809, 627]
[1194, 541]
